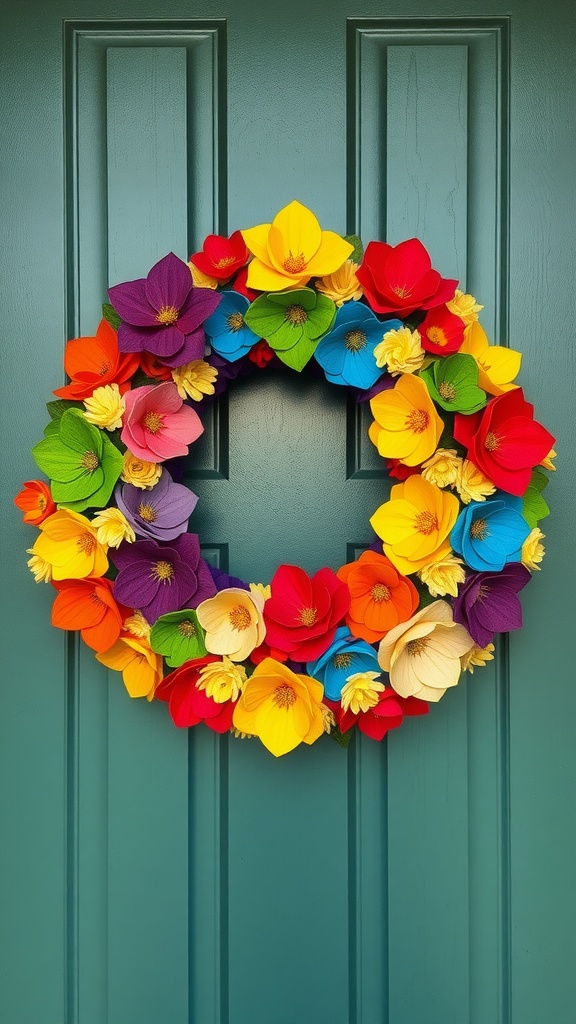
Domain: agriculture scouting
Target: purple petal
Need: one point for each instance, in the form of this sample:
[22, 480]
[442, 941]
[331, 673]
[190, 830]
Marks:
[206, 585]
[134, 339]
[500, 611]
[134, 585]
[130, 302]
[384, 384]
[168, 283]
[223, 580]
[188, 548]
[176, 507]
[166, 343]
[192, 346]
[167, 599]
[199, 305]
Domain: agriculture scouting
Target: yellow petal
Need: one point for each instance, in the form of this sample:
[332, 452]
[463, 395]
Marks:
[257, 241]
[265, 279]
[332, 252]
[300, 230]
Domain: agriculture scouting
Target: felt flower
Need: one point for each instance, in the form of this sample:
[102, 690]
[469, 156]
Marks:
[443, 575]
[491, 533]
[137, 626]
[406, 425]
[35, 501]
[388, 713]
[163, 313]
[442, 467]
[39, 567]
[157, 425]
[161, 512]
[415, 524]
[140, 472]
[303, 612]
[94, 362]
[222, 680]
[497, 366]
[471, 484]
[188, 704]
[533, 550]
[201, 280]
[380, 597]
[112, 528]
[88, 605]
[453, 384]
[488, 602]
[227, 330]
[505, 441]
[261, 354]
[548, 463]
[281, 707]
[238, 284]
[400, 279]
[141, 668]
[346, 353]
[361, 692]
[400, 351]
[221, 257]
[233, 622]
[292, 249]
[398, 471]
[342, 285]
[82, 463]
[195, 379]
[179, 637]
[422, 656]
[69, 543]
[346, 656]
[158, 579]
[441, 331]
[477, 657]
[464, 306]
[292, 323]
[152, 367]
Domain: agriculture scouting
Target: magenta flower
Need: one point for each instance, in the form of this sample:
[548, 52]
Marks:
[162, 578]
[157, 424]
[163, 313]
[488, 602]
[162, 512]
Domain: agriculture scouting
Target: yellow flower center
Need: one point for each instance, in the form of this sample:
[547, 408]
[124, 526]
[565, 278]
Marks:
[163, 572]
[436, 336]
[240, 618]
[414, 647]
[492, 442]
[235, 321]
[167, 315]
[86, 542]
[187, 629]
[342, 660]
[426, 522]
[153, 422]
[284, 696]
[295, 264]
[225, 261]
[417, 421]
[401, 292]
[90, 461]
[296, 315]
[147, 512]
[104, 369]
[42, 502]
[447, 391]
[479, 529]
[308, 616]
[380, 592]
[355, 341]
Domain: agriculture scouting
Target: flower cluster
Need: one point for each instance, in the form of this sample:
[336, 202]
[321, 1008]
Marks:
[368, 643]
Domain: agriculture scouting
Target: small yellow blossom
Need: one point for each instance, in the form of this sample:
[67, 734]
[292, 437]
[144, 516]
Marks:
[222, 680]
[195, 379]
[547, 462]
[464, 306]
[442, 577]
[265, 591]
[400, 351]
[476, 658]
[328, 717]
[533, 549]
[442, 468]
[139, 472]
[360, 692]
[241, 735]
[39, 567]
[112, 528]
[106, 407]
[138, 626]
[342, 285]
[471, 483]
[201, 280]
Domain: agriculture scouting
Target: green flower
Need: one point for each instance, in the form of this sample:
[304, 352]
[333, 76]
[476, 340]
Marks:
[292, 323]
[82, 463]
[453, 383]
[178, 636]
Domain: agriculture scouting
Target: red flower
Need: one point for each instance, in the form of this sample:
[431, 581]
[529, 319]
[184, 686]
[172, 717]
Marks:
[399, 471]
[261, 354]
[387, 714]
[399, 278]
[239, 285]
[222, 257]
[505, 441]
[264, 651]
[93, 362]
[187, 704]
[441, 331]
[302, 614]
[152, 367]
[35, 501]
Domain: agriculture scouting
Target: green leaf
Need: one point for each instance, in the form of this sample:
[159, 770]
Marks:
[539, 480]
[57, 408]
[534, 506]
[110, 314]
[358, 251]
[300, 354]
[341, 738]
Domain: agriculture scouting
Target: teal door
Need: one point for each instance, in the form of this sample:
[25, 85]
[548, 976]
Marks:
[148, 876]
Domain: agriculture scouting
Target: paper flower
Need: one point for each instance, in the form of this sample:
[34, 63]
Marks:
[69, 544]
[222, 680]
[292, 249]
[453, 384]
[281, 707]
[195, 380]
[39, 567]
[533, 550]
[152, 367]
[497, 366]
[464, 306]
[377, 721]
[162, 512]
[35, 501]
[471, 484]
[221, 257]
[441, 331]
[422, 656]
[162, 313]
[415, 524]
[400, 351]
[406, 425]
[488, 602]
[227, 331]
[491, 533]
[261, 354]
[233, 622]
[188, 704]
[342, 285]
[346, 353]
[179, 637]
[399, 278]
[346, 656]
[88, 605]
[158, 579]
[302, 615]
[201, 280]
[442, 468]
[157, 424]
[292, 323]
[380, 597]
[361, 692]
[443, 576]
[82, 463]
[141, 668]
[105, 408]
[477, 657]
[112, 528]
[140, 472]
[93, 362]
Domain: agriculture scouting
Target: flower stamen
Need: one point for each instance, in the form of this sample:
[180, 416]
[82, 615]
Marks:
[147, 512]
[90, 461]
[240, 618]
[380, 592]
[295, 264]
[308, 616]
[492, 441]
[187, 629]
[163, 572]
[355, 341]
[284, 696]
[235, 321]
[417, 421]
[426, 522]
[479, 529]
[153, 422]
[418, 646]
[342, 660]
[296, 315]
[167, 315]
[447, 391]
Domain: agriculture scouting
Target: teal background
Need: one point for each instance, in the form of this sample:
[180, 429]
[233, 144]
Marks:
[148, 876]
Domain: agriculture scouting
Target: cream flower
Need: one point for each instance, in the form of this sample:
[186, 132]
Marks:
[342, 285]
[195, 379]
[533, 549]
[464, 306]
[106, 407]
[400, 351]
[547, 463]
[476, 658]
[360, 692]
[112, 528]
[201, 280]
[139, 472]
[222, 680]
[442, 468]
[138, 626]
[263, 589]
[233, 622]
[442, 577]
[471, 483]
[39, 567]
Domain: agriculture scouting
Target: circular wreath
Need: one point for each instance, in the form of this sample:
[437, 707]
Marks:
[364, 644]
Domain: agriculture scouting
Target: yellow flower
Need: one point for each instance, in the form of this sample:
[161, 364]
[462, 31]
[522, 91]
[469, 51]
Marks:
[40, 569]
[547, 462]
[406, 424]
[464, 306]
[281, 707]
[443, 576]
[342, 285]
[69, 543]
[222, 680]
[328, 718]
[422, 656]
[471, 483]
[442, 468]
[106, 407]
[400, 351]
[141, 668]
[139, 472]
[292, 249]
[476, 658]
[201, 280]
[233, 622]
[533, 549]
[195, 379]
[360, 692]
[263, 589]
[112, 528]
[497, 366]
[137, 625]
[415, 524]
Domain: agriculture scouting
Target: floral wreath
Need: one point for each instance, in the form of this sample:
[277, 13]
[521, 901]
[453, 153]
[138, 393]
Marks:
[364, 645]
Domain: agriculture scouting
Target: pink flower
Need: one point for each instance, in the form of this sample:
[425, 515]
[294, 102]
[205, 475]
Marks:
[157, 424]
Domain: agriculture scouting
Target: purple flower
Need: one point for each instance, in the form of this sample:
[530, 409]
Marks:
[162, 313]
[223, 581]
[488, 602]
[158, 579]
[162, 512]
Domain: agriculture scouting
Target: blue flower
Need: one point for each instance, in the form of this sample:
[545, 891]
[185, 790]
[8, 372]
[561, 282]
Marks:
[345, 656]
[229, 335]
[346, 354]
[488, 534]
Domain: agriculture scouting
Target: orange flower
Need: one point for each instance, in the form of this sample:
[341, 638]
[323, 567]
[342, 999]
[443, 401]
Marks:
[88, 605]
[35, 501]
[380, 596]
[92, 362]
[141, 668]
